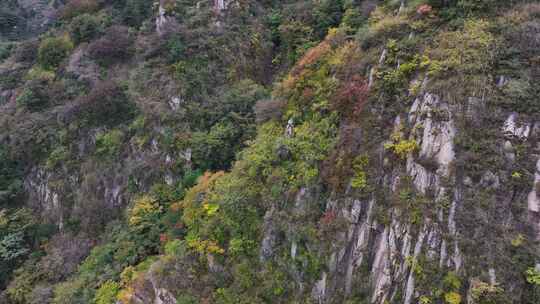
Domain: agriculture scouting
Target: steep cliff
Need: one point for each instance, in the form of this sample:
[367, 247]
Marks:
[273, 152]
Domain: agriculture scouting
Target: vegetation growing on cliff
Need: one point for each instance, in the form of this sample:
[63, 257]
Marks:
[239, 154]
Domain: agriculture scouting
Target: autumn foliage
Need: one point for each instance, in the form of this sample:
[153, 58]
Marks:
[328, 217]
[312, 56]
[195, 199]
[352, 96]
[338, 167]
[424, 9]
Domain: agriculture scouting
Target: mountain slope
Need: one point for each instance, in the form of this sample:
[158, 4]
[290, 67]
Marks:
[273, 152]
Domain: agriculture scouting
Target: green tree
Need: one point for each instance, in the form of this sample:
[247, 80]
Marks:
[16, 239]
[34, 96]
[52, 51]
[10, 178]
[136, 11]
[106, 294]
[84, 28]
[328, 13]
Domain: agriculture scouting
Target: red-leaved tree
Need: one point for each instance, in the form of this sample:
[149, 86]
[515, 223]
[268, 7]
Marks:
[424, 9]
[352, 96]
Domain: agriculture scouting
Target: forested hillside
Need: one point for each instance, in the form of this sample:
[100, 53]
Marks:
[271, 151]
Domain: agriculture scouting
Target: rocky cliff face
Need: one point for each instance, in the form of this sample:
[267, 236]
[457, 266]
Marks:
[63, 193]
[389, 256]
[392, 250]
[395, 162]
[442, 220]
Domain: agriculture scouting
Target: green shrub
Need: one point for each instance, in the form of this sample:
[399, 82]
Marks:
[186, 299]
[10, 177]
[365, 36]
[107, 105]
[215, 149]
[109, 144]
[533, 276]
[77, 7]
[17, 227]
[359, 180]
[230, 296]
[452, 281]
[193, 73]
[452, 298]
[84, 28]
[175, 248]
[296, 38]
[39, 74]
[57, 156]
[352, 18]
[52, 51]
[5, 50]
[385, 24]
[106, 294]
[478, 7]
[136, 11]
[144, 214]
[532, 293]
[21, 285]
[468, 50]
[176, 48]
[12, 247]
[401, 146]
[69, 292]
[518, 94]
[485, 293]
[273, 20]
[35, 96]
[328, 14]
